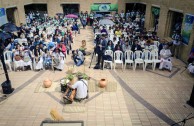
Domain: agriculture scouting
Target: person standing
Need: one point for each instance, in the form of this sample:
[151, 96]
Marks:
[91, 18]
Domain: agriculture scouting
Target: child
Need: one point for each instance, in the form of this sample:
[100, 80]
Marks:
[47, 59]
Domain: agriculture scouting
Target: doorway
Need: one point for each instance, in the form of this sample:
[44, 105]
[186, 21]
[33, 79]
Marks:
[41, 8]
[135, 7]
[11, 15]
[71, 9]
[174, 22]
[155, 14]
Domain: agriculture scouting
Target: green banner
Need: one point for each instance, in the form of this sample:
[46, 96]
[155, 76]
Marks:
[155, 11]
[187, 28]
[104, 7]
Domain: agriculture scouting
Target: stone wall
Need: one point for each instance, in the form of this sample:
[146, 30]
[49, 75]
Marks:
[184, 7]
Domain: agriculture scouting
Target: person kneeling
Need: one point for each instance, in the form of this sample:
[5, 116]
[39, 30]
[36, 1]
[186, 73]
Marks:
[81, 87]
[78, 57]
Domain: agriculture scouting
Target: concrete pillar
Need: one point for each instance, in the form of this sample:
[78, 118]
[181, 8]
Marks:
[148, 16]
[170, 17]
[121, 5]
[85, 6]
[53, 7]
[16, 16]
[162, 21]
[21, 14]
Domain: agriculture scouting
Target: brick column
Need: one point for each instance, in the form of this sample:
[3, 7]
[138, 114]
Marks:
[162, 22]
[121, 6]
[20, 13]
[53, 7]
[148, 16]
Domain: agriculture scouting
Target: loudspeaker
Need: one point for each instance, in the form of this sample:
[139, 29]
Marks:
[191, 101]
[6, 87]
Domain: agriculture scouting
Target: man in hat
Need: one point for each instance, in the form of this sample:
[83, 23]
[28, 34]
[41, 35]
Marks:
[81, 87]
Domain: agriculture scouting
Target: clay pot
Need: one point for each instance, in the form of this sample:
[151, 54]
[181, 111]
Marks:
[47, 83]
[102, 83]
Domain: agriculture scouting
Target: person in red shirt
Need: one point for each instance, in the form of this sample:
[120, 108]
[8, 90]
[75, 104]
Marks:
[61, 46]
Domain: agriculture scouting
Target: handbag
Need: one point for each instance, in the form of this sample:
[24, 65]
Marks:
[18, 58]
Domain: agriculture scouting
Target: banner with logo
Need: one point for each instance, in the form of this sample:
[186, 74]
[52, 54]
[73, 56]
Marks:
[155, 11]
[3, 16]
[104, 7]
[187, 28]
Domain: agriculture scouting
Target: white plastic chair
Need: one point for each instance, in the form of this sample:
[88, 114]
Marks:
[129, 58]
[8, 58]
[31, 66]
[147, 58]
[39, 63]
[118, 58]
[153, 47]
[157, 43]
[155, 59]
[138, 58]
[16, 65]
[110, 53]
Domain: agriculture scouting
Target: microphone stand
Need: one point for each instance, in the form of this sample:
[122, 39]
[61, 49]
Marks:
[183, 122]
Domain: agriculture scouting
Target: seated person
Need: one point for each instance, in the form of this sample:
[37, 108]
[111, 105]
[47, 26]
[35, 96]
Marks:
[58, 59]
[37, 55]
[18, 57]
[47, 59]
[165, 55]
[61, 46]
[81, 87]
[104, 30]
[27, 57]
[78, 57]
[136, 46]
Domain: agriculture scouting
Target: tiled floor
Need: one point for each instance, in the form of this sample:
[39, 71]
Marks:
[142, 98]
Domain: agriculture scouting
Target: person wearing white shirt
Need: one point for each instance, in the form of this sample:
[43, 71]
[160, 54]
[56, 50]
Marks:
[165, 55]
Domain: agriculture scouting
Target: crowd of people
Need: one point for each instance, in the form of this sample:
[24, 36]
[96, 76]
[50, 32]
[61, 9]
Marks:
[128, 33]
[46, 42]
[42, 43]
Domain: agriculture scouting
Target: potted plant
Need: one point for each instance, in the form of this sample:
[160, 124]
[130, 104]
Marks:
[70, 77]
[64, 83]
[84, 76]
[47, 83]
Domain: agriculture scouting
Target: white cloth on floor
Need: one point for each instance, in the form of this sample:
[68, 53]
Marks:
[19, 63]
[191, 68]
[166, 61]
[62, 61]
[39, 65]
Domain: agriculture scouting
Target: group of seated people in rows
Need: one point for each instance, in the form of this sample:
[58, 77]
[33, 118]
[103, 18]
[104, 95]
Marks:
[162, 49]
[41, 45]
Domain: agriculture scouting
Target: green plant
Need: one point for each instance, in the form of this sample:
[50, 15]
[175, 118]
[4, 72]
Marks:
[70, 77]
[84, 76]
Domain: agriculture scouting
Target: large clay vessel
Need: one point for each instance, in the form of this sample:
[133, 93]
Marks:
[102, 83]
[47, 83]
